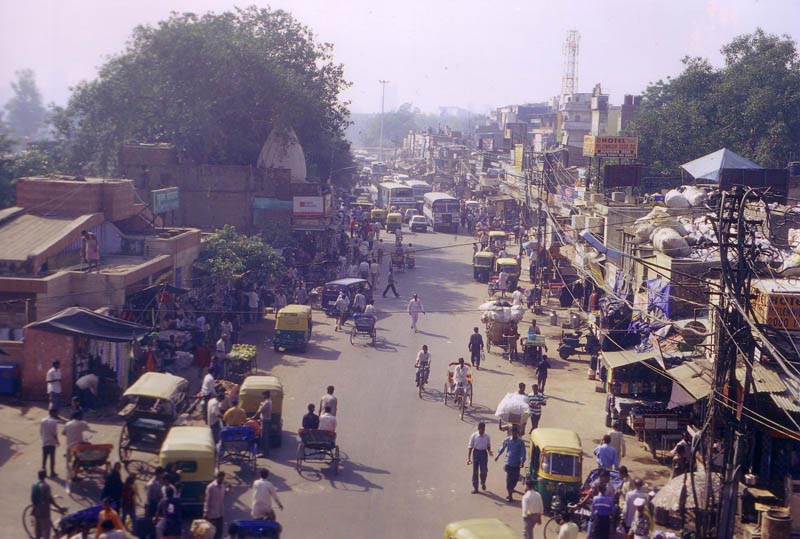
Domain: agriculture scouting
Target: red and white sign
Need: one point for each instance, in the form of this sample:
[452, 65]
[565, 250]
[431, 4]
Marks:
[308, 206]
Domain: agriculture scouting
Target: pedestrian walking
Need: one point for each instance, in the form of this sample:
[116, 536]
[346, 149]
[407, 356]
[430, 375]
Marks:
[390, 285]
[502, 283]
[130, 499]
[541, 373]
[617, 440]
[265, 416]
[359, 302]
[642, 525]
[112, 486]
[263, 494]
[535, 402]
[363, 270]
[381, 251]
[602, 507]
[329, 400]
[414, 308]
[53, 378]
[480, 447]
[532, 509]
[375, 272]
[170, 515]
[48, 430]
[514, 448]
[629, 509]
[207, 391]
[606, 455]
[42, 499]
[342, 306]
[214, 415]
[475, 347]
[74, 431]
[153, 493]
[214, 503]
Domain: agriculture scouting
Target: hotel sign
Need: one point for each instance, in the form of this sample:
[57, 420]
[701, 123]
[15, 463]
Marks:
[610, 146]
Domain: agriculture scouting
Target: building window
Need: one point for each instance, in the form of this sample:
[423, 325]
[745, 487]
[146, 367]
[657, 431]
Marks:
[577, 117]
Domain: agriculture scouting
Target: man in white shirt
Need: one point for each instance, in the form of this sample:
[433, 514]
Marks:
[363, 269]
[375, 272]
[206, 392]
[342, 306]
[87, 385]
[414, 308]
[265, 416]
[214, 415]
[532, 509]
[516, 297]
[359, 302]
[423, 364]
[263, 494]
[74, 431]
[54, 385]
[480, 447]
[48, 430]
[502, 283]
[617, 440]
[460, 375]
[252, 303]
[327, 421]
[329, 400]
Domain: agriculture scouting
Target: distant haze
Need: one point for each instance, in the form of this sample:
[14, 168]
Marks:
[465, 53]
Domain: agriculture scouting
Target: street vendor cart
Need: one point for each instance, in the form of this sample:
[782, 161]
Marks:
[239, 363]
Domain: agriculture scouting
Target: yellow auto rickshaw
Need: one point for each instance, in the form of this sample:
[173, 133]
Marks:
[193, 452]
[377, 215]
[482, 265]
[479, 528]
[251, 395]
[555, 465]
[292, 328]
[511, 267]
[497, 240]
[394, 221]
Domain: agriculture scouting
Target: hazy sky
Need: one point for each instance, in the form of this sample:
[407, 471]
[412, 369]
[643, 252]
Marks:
[467, 53]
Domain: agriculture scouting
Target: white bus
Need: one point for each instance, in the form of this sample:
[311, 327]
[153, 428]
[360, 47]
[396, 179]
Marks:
[397, 195]
[420, 188]
[441, 211]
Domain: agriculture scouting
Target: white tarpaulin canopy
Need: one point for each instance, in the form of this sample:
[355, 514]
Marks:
[709, 166]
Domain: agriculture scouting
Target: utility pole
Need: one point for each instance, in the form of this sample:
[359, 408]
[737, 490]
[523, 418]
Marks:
[383, 84]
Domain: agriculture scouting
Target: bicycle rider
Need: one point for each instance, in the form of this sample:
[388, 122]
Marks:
[423, 364]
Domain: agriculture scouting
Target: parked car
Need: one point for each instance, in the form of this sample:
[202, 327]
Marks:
[409, 214]
[418, 223]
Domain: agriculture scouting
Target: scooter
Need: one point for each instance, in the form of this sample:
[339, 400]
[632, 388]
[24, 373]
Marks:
[571, 344]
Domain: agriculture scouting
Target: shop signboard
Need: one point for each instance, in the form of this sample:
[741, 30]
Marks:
[779, 311]
[313, 206]
[165, 200]
[606, 146]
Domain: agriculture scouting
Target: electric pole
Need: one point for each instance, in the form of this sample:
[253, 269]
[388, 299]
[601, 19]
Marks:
[383, 84]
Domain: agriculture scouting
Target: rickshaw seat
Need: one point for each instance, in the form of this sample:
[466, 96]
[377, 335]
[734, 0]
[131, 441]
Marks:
[237, 434]
[318, 438]
[92, 452]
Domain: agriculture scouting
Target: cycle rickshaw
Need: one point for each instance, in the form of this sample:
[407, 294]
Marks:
[238, 444]
[317, 446]
[364, 325]
[462, 396]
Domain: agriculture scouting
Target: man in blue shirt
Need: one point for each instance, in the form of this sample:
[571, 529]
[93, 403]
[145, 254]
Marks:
[514, 448]
[606, 455]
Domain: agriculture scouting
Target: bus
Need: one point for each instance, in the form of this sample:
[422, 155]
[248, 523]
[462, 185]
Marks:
[391, 194]
[420, 188]
[441, 211]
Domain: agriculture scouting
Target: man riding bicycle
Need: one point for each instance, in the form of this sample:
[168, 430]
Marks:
[460, 377]
[423, 365]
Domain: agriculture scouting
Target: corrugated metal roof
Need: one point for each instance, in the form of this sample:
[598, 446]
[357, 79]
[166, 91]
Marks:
[765, 379]
[785, 402]
[625, 357]
[694, 377]
[29, 234]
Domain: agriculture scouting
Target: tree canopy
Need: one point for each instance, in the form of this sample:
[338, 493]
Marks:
[750, 105]
[227, 253]
[213, 85]
[27, 162]
[26, 112]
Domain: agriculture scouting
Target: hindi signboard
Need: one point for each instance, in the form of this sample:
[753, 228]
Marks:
[165, 200]
[595, 146]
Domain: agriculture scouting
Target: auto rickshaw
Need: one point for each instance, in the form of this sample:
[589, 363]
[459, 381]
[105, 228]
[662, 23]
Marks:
[511, 267]
[251, 394]
[482, 264]
[377, 215]
[497, 240]
[479, 528]
[394, 221]
[350, 287]
[193, 452]
[292, 328]
[555, 465]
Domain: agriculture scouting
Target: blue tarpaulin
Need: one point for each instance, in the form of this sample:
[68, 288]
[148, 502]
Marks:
[592, 240]
[658, 291]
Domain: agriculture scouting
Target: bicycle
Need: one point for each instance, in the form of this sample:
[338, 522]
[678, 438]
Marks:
[579, 515]
[422, 378]
[29, 521]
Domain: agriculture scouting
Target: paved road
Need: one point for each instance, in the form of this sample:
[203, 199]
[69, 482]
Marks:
[404, 458]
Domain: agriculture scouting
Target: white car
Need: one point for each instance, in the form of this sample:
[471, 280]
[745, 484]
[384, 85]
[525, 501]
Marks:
[418, 223]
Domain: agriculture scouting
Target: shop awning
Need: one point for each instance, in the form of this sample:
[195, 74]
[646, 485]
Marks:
[150, 292]
[692, 382]
[82, 322]
[622, 358]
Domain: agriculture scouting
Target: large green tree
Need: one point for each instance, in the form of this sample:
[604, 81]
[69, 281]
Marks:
[26, 112]
[226, 253]
[750, 105]
[214, 85]
[17, 164]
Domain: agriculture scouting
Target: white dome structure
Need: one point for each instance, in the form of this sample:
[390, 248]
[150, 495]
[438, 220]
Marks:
[283, 150]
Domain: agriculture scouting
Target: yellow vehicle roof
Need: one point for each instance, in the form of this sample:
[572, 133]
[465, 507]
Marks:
[484, 254]
[261, 383]
[378, 210]
[561, 439]
[395, 215]
[295, 310]
[479, 528]
[185, 440]
[506, 261]
[157, 385]
[497, 234]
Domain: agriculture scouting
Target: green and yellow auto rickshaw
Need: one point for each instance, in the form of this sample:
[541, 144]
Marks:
[482, 265]
[497, 240]
[511, 267]
[251, 394]
[479, 528]
[555, 464]
[394, 221]
[377, 215]
[292, 328]
[193, 452]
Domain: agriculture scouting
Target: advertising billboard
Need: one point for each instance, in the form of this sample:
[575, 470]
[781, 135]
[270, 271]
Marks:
[165, 200]
[610, 146]
[308, 206]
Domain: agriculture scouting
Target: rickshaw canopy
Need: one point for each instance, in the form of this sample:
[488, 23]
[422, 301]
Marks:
[483, 258]
[377, 214]
[293, 318]
[479, 528]
[193, 449]
[496, 234]
[510, 265]
[157, 385]
[252, 389]
[561, 440]
[394, 218]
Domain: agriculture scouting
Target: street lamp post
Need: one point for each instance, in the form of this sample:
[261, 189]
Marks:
[383, 84]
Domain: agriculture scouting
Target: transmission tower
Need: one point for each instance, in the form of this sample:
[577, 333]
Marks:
[572, 45]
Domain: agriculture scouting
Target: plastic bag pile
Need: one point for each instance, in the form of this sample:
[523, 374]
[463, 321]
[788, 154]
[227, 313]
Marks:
[513, 408]
[501, 311]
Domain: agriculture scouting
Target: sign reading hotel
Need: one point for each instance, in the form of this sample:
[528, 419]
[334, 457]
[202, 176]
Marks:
[610, 146]
[308, 206]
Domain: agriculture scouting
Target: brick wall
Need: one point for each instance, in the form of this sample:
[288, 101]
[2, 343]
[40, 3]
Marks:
[40, 350]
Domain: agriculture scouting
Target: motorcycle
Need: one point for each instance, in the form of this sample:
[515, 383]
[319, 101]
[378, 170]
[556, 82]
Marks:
[571, 344]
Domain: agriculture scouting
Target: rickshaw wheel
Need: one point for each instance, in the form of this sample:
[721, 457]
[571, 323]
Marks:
[353, 336]
[552, 527]
[29, 522]
[462, 405]
[336, 460]
[374, 336]
[300, 454]
[445, 393]
[124, 444]
[469, 396]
